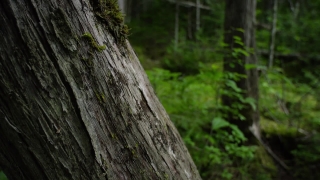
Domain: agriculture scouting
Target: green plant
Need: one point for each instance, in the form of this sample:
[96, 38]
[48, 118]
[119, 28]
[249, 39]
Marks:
[188, 57]
[2, 176]
[193, 103]
[307, 158]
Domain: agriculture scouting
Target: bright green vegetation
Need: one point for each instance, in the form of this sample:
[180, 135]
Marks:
[189, 79]
[215, 145]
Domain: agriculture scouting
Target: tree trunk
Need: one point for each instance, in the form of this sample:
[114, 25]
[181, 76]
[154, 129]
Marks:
[75, 102]
[198, 15]
[176, 26]
[122, 6]
[239, 26]
[273, 33]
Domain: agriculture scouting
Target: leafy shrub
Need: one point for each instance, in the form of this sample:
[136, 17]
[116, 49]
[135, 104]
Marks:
[193, 103]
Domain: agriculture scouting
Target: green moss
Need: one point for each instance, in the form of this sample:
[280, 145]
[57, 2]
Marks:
[101, 98]
[166, 176]
[113, 136]
[108, 11]
[133, 152]
[93, 43]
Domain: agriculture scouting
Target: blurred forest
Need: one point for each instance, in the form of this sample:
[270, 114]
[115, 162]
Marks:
[182, 44]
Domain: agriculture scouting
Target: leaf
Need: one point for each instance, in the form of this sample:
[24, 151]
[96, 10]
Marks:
[241, 117]
[238, 133]
[218, 123]
[242, 51]
[239, 42]
[240, 30]
[233, 85]
[251, 101]
[237, 38]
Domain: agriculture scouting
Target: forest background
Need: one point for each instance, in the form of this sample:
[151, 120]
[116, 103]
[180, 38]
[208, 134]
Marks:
[181, 46]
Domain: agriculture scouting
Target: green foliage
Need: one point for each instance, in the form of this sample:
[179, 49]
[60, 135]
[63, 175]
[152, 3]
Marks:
[271, 128]
[307, 158]
[304, 153]
[194, 106]
[189, 56]
[193, 103]
[283, 98]
[153, 30]
[289, 111]
[289, 101]
[2, 176]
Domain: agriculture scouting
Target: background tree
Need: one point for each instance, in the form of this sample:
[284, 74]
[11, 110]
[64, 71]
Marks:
[75, 102]
[240, 59]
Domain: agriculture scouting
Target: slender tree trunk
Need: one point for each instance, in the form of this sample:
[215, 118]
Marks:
[239, 23]
[75, 102]
[128, 11]
[273, 33]
[176, 26]
[190, 24]
[122, 6]
[198, 15]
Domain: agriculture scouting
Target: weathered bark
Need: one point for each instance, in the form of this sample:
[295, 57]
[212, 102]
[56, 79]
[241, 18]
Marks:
[239, 21]
[76, 107]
